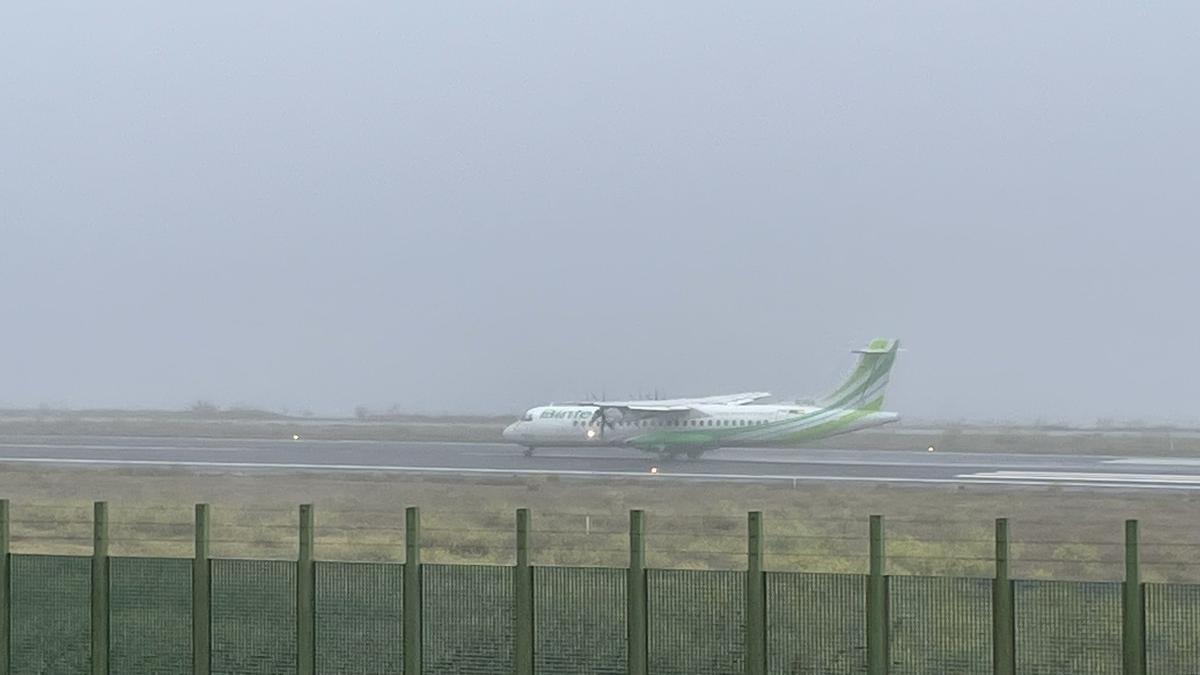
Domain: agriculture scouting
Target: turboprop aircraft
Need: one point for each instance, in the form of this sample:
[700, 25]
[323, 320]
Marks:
[693, 426]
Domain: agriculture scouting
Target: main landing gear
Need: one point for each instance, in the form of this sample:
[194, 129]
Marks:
[672, 455]
[529, 451]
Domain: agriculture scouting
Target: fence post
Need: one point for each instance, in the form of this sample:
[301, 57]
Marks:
[201, 596]
[756, 598]
[1004, 645]
[412, 591]
[1133, 606]
[523, 600]
[306, 634]
[877, 628]
[100, 588]
[636, 594]
[5, 603]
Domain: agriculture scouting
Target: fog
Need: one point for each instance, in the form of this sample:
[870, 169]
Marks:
[478, 208]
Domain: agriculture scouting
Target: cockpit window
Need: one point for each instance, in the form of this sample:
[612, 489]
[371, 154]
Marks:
[528, 417]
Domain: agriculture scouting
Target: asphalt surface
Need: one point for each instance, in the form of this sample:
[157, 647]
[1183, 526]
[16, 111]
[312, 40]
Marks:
[210, 456]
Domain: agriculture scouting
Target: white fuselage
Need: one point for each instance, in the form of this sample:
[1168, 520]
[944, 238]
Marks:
[703, 426]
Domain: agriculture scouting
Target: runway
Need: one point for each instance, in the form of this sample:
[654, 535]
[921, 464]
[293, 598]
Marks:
[758, 465]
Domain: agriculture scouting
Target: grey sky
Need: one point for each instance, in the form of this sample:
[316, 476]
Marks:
[483, 206]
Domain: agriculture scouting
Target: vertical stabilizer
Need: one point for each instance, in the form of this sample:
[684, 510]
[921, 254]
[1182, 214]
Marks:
[864, 389]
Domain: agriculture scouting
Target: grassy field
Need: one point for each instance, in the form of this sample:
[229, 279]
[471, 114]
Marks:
[931, 530]
[936, 625]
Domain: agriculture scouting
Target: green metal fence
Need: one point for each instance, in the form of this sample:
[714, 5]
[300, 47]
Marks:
[99, 614]
[150, 605]
[580, 621]
[468, 619]
[697, 622]
[359, 611]
[1173, 629]
[51, 625]
[253, 617]
[940, 625]
[816, 623]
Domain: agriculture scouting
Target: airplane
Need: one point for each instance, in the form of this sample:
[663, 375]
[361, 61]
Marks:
[693, 426]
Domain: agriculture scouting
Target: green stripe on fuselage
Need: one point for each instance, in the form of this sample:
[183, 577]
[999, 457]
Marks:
[755, 434]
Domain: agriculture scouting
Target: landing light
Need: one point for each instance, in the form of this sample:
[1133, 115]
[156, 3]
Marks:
[931, 448]
[591, 433]
[295, 437]
[654, 469]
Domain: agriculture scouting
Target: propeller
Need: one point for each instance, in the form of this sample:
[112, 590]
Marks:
[602, 416]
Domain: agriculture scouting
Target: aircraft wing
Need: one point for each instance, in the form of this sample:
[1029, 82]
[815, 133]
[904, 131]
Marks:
[676, 404]
[732, 399]
[636, 406]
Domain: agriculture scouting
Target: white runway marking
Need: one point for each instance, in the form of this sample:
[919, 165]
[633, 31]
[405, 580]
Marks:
[1082, 477]
[945, 461]
[121, 448]
[208, 445]
[1156, 461]
[296, 466]
[1008, 478]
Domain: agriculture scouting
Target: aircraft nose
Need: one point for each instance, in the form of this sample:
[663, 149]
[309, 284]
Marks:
[509, 431]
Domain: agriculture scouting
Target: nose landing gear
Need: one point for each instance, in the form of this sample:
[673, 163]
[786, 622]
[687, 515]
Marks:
[529, 451]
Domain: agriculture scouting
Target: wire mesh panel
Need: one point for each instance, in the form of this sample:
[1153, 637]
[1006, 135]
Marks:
[253, 617]
[468, 619]
[51, 614]
[150, 625]
[939, 625]
[816, 623]
[579, 620]
[359, 609]
[1068, 627]
[697, 621]
[1172, 629]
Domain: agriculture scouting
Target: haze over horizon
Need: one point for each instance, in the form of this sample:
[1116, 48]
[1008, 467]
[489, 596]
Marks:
[485, 208]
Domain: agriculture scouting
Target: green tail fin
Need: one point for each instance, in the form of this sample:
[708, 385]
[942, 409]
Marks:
[864, 389]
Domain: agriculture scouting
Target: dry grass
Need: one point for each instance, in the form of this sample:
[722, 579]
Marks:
[1056, 533]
